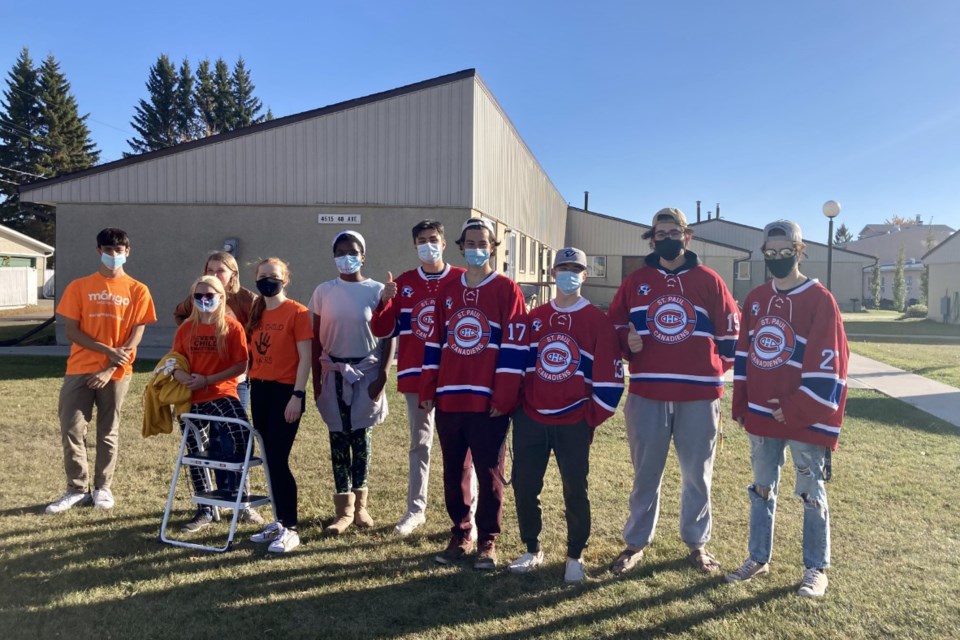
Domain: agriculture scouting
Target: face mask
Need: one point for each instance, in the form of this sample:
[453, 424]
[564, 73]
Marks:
[568, 282]
[269, 287]
[668, 249]
[781, 267]
[207, 306]
[476, 257]
[429, 252]
[113, 262]
[348, 264]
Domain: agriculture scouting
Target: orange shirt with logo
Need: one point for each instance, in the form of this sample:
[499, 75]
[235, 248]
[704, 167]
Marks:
[273, 344]
[200, 348]
[107, 309]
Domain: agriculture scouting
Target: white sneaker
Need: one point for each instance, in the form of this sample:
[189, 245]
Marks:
[68, 501]
[814, 584]
[288, 540]
[103, 499]
[574, 573]
[409, 523]
[270, 533]
[526, 563]
[749, 569]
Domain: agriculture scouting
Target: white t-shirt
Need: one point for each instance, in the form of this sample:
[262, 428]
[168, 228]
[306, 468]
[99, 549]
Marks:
[345, 309]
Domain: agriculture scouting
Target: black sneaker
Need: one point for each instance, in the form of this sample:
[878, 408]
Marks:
[201, 519]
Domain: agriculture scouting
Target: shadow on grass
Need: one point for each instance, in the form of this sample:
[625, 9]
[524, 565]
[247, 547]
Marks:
[892, 412]
[318, 590]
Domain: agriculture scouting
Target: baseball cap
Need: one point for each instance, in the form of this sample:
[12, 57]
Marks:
[782, 230]
[479, 222]
[353, 234]
[668, 214]
[570, 255]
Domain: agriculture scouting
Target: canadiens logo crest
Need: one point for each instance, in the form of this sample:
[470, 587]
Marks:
[774, 341]
[469, 332]
[671, 319]
[558, 357]
[643, 289]
[407, 291]
[422, 319]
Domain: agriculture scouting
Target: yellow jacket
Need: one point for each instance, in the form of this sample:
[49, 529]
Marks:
[161, 392]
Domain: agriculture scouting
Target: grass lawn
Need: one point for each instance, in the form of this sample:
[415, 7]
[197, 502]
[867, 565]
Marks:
[886, 323]
[939, 362]
[10, 329]
[894, 503]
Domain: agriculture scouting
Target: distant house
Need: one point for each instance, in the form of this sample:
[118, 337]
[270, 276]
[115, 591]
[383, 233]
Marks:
[944, 263]
[23, 262]
[884, 241]
[846, 272]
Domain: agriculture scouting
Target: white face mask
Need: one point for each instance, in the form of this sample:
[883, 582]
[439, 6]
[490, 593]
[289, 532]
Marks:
[429, 252]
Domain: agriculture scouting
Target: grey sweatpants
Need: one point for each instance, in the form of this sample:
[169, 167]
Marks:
[650, 426]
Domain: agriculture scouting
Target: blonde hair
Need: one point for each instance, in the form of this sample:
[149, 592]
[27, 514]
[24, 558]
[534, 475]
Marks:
[219, 323]
[256, 312]
[226, 258]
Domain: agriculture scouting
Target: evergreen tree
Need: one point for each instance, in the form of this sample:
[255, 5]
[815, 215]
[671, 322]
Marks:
[925, 285]
[875, 285]
[269, 116]
[20, 149]
[187, 118]
[246, 105]
[156, 120]
[224, 108]
[899, 283]
[843, 235]
[205, 97]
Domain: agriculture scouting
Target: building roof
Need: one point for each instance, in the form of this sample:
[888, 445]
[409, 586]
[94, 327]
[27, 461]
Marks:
[759, 232]
[252, 129]
[953, 238]
[41, 247]
[915, 240]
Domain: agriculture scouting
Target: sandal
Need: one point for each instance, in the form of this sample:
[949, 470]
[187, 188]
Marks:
[703, 561]
[627, 560]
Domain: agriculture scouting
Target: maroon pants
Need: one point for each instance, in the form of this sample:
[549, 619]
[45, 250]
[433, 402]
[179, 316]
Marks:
[482, 436]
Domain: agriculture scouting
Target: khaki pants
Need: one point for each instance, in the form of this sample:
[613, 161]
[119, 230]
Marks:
[77, 401]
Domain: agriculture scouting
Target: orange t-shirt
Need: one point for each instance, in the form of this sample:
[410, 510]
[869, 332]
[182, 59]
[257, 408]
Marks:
[200, 349]
[107, 309]
[273, 344]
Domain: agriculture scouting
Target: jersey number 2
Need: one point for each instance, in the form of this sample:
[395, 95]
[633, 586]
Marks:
[828, 356]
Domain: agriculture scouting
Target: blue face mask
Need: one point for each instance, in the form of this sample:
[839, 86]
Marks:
[207, 306]
[568, 282]
[113, 262]
[476, 257]
[429, 252]
[348, 264]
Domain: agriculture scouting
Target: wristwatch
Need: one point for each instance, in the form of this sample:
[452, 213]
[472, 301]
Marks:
[299, 394]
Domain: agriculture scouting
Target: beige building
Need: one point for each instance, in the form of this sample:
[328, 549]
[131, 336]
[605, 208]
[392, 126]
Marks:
[441, 149]
[944, 263]
[23, 265]
[615, 248]
[847, 271]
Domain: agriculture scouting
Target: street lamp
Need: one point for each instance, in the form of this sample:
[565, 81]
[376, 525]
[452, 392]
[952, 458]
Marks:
[831, 209]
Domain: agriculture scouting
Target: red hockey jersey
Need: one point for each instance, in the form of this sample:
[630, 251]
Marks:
[408, 317]
[792, 348]
[574, 369]
[477, 357]
[688, 321]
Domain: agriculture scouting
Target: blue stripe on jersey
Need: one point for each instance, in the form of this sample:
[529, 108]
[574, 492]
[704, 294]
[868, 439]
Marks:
[563, 411]
[639, 319]
[740, 364]
[727, 348]
[704, 325]
[827, 389]
[403, 323]
[431, 355]
[798, 351]
[464, 390]
[586, 365]
[705, 382]
[513, 357]
[408, 373]
[608, 395]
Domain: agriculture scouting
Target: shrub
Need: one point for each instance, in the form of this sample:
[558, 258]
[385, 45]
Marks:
[915, 311]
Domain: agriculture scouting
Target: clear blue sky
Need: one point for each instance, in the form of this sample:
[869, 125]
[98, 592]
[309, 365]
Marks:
[769, 108]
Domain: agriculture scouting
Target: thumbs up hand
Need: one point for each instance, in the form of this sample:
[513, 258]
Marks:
[389, 288]
[634, 341]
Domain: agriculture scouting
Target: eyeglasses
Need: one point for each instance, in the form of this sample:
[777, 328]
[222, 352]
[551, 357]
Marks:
[204, 296]
[786, 252]
[676, 234]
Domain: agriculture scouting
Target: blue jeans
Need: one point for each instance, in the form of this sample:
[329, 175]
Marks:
[767, 456]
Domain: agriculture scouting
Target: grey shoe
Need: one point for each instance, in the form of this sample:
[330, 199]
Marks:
[201, 519]
[249, 516]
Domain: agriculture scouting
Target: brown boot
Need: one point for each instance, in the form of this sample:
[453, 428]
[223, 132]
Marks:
[343, 502]
[362, 518]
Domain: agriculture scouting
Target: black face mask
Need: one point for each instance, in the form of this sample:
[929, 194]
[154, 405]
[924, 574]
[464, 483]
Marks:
[668, 249]
[269, 287]
[781, 267]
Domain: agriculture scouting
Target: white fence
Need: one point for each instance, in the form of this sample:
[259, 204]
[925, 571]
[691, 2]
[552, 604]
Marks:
[18, 286]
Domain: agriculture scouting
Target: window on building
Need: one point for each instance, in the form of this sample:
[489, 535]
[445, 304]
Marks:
[523, 254]
[743, 270]
[549, 264]
[596, 266]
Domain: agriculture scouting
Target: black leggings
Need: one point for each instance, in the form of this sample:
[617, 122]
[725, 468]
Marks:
[268, 400]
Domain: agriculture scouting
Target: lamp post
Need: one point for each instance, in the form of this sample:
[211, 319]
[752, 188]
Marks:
[831, 209]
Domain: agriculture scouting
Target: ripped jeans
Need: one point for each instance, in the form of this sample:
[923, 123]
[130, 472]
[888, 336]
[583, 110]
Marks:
[767, 456]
